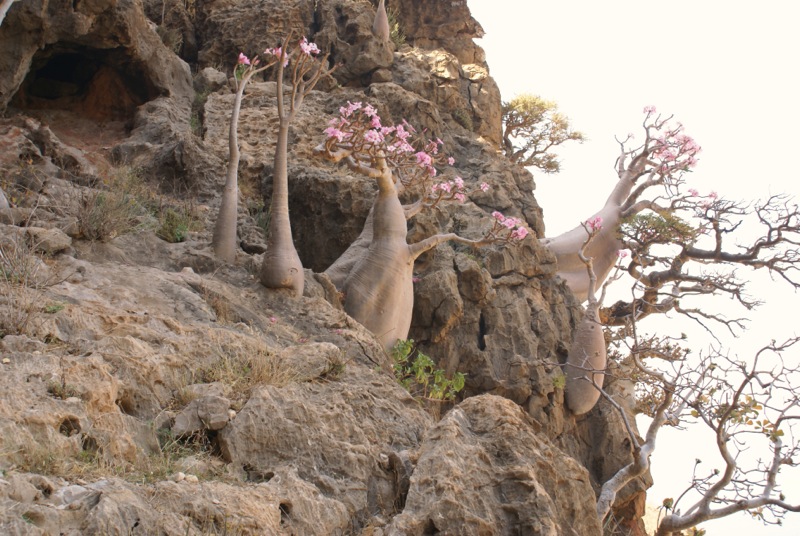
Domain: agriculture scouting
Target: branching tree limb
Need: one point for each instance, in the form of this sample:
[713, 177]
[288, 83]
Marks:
[746, 404]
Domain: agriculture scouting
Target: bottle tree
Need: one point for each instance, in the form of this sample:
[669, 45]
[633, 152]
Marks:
[378, 289]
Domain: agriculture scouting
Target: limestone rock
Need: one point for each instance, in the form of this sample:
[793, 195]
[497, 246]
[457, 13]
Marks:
[328, 431]
[206, 413]
[483, 469]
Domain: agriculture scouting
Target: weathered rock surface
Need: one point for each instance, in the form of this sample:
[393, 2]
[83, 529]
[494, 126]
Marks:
[141, 372]
[483, 469]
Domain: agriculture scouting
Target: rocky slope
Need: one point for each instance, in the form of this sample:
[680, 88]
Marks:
[149, 389]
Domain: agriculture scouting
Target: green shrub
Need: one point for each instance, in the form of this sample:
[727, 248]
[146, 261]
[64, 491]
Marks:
[175, 225]
[420, 376]
[395, 32]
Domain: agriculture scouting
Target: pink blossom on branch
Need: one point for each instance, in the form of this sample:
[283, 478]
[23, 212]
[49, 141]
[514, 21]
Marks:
[243, 60]
[594, 224]
[308, 48]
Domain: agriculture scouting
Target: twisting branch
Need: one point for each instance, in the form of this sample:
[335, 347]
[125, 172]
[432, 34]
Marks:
[736, 400]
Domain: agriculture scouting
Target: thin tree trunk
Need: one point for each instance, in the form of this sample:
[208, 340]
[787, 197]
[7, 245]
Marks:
[281, 267]
[224, 241]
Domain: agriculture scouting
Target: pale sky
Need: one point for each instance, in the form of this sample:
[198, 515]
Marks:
[728, 70]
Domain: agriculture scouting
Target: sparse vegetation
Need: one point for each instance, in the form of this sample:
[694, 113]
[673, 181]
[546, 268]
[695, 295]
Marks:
[419, 375]
[464, 118]
[242, 363]
[117, 207]
[24, 278]
[175, 225]
[396, 33]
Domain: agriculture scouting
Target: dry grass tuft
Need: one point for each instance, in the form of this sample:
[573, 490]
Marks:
[24, 279]
[243, 362]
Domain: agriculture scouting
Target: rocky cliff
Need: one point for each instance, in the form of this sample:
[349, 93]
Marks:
[148, 388]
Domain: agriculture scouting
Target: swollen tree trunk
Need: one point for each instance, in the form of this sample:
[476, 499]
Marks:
[281, 267]
[343, 266]
[602, 249]
[380, 26]
[224, 241]
[379, 292]
[586, 362]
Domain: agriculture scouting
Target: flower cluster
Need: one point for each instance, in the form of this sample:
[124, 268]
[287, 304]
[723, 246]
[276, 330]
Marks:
[306, 47]
[672, 149]
[594, 224]
[359, 129]
[506, 228]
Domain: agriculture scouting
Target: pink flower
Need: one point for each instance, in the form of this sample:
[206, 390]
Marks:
[445, 187]
[649, 109]
[451, 160]
[713, 195]
[375, 122]
[370, 110]
[243, 60]
[272, 319]
[498, 216]
[510, 223]
[519, 233]
[277, 51]
[373, 136]
[459, 182]
[484, 187]
[460, 197]
[595, 224]
[308, 48]
[693, 192]
[423, 159]
[623, 253]
[347, 111]
[415, 279]
[401, 132]
[334, 132]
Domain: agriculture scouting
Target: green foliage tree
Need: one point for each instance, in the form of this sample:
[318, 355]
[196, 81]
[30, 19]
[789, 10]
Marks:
[532, 127]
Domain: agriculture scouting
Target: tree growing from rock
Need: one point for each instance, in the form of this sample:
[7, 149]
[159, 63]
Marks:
[661, 161]
[532, 128]
[749, 405]
[678, 245]
[224, 241]
[587, 358]
[378, 290]
[281, 267]
[380, 26]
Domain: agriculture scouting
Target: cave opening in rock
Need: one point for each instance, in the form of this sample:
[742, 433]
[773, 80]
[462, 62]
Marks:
[101, 85]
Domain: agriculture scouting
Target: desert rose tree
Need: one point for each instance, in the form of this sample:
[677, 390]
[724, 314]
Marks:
[281, 267]
[660, 161]
[681, 245]
[224, 241]
[586, 362]
[379, 289]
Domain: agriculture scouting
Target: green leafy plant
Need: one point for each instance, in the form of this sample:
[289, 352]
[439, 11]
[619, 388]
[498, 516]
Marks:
[53, 308]
[175, 225]
[418, 373]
